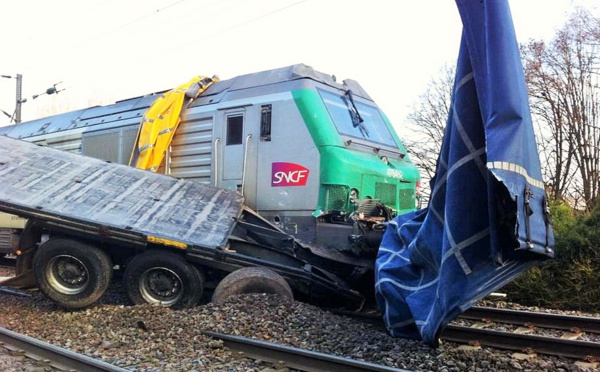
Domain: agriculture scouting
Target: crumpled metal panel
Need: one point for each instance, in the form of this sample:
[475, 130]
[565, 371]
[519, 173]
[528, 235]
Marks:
[38, 180]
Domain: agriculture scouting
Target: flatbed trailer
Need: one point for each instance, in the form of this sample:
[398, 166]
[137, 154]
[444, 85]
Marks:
[173, 237]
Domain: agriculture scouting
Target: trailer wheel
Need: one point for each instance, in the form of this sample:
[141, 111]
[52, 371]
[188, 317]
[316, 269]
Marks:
[251, 280]
[71, 273]
[163, 278]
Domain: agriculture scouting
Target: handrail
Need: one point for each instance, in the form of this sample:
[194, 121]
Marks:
[245, 160]
[168, 160]
[216, 157]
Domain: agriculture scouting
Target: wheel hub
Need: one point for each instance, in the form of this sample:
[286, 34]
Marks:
[67, 274]
[161, 285]
[71, 272]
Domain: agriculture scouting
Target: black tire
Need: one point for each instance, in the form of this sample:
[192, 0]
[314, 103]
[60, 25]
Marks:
[251, 280]
[71, 273]
[163, 278]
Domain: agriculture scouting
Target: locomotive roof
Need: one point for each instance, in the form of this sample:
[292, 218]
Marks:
[130, 111]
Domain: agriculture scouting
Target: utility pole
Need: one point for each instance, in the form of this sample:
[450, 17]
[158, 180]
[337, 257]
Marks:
[19, 97]
[16, 116]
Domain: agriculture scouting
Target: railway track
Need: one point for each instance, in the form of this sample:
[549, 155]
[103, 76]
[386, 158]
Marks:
[43, 353]
[528, 337]
[531, 335]
[526, 343]
[545, 320]
[480, 326]
[300, 359]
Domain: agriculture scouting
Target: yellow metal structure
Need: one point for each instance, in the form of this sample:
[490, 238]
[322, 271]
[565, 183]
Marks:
[163, 241]
[160, 123]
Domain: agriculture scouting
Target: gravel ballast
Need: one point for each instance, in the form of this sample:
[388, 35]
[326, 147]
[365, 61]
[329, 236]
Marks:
[155, 338]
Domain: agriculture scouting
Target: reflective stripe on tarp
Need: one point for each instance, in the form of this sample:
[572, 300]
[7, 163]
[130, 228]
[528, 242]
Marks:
[486, 220]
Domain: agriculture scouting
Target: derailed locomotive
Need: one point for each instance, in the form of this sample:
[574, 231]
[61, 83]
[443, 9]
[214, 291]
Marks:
[307, 171]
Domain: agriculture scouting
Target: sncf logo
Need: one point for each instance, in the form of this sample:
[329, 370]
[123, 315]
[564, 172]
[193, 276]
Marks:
[288, 174]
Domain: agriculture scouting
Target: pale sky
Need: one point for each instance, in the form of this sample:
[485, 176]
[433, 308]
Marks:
[107, 50]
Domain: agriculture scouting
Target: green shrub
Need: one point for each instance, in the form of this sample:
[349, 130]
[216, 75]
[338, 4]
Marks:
[571, 280]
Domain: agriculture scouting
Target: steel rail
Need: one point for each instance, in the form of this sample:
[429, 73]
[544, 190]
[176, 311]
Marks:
[544, 320]
[301, 359]
[53, 356]
[511, 341]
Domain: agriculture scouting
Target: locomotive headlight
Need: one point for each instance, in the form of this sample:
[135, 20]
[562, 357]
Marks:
[384, 159]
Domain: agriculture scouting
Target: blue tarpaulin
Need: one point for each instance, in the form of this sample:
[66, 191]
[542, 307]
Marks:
[487, 218]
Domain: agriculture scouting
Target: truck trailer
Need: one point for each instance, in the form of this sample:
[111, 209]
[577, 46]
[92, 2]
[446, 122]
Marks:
[284, 175]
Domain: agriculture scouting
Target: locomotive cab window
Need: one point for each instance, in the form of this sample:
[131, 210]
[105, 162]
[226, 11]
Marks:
[357, 119]
[235, 129]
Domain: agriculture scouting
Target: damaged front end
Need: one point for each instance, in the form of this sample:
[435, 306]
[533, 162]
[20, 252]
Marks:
[358, 233]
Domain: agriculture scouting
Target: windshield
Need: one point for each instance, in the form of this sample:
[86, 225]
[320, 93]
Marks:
[367, 124]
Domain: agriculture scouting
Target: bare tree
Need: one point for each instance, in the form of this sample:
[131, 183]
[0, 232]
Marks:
[563, 78]
[427, 120]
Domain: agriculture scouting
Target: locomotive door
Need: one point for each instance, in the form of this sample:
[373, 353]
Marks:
[232, 146]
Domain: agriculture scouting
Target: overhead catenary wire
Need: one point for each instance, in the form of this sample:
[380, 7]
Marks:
[92, 40]
[127, 24]
[145, 23]
[241, 24]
